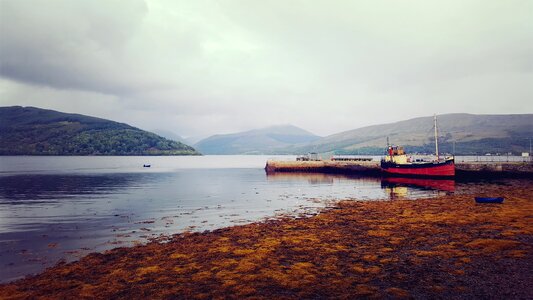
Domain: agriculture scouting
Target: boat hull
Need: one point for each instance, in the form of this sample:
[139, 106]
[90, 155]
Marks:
[430, 169]
[489, 199]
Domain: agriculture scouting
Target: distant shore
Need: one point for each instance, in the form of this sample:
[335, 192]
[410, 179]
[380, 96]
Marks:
[444, 247]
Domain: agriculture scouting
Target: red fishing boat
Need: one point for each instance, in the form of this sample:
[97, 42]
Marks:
[398, 163]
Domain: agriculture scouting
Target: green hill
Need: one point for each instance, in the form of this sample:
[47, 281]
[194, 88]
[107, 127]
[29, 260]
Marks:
[259, 141]
[35, 131]
[471, 134]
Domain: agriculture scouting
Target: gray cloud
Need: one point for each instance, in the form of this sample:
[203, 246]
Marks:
[201, 67]
[71, 45]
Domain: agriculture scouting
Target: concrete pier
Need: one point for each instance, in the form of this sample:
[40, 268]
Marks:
[324, 166]
[463, 169]
[514, 169]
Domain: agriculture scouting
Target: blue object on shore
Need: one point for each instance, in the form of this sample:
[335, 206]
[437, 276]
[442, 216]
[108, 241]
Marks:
[489, 199]
[146, 166]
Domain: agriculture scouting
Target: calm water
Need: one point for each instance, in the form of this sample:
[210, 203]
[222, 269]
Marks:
[54, 208]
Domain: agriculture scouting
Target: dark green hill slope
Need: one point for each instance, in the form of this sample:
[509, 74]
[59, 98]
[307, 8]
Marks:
[35, 131]
[259, 141]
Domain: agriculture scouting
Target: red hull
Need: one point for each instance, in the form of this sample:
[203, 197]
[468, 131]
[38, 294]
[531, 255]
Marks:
[442, 169]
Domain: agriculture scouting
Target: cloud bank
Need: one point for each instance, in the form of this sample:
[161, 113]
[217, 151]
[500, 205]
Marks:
[206, 67]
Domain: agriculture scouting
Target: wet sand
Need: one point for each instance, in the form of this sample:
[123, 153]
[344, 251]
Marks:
[448, 247]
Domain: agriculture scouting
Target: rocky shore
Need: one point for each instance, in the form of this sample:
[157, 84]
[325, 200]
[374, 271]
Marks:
[449, 247]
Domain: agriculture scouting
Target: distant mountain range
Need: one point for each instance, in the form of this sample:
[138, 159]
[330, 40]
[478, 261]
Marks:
[467, 134]
[190, 140]
[35, 131]
[471, 134]
[169, 135]
[268, 140]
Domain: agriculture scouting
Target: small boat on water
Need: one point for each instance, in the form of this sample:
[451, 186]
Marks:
[396, 162]
[489, 199]
[146, 166]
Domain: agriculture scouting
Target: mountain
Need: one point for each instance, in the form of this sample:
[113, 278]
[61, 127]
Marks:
[472, 134]
[259, 141]
[169, 135]
[36, 131]
[190, 140]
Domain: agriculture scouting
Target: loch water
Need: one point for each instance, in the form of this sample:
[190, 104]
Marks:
[62, 208]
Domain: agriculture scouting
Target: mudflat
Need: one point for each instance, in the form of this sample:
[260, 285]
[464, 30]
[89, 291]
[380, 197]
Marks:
[446, 247]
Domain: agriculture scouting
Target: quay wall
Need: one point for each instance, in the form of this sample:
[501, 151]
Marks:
[494, 168]
[465, 169]
[324, 166]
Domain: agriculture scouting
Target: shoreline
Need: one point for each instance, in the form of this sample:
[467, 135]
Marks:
[439, 247]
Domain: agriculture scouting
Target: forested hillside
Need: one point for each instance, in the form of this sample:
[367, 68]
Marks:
[35, 131]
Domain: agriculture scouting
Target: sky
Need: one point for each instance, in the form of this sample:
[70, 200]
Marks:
[198, 68]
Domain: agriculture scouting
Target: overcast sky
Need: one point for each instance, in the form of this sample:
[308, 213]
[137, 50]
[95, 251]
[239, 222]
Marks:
[204, 67]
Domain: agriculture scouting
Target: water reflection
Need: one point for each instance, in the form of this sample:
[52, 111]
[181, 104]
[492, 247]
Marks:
[422, 183]
[319, 178]
[399, 187]
[22, 188]
[309, 177]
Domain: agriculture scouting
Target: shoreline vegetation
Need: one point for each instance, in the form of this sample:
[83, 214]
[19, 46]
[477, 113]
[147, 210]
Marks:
[446, 247]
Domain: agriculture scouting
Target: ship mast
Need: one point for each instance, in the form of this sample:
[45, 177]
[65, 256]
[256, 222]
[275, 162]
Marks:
[436, 137]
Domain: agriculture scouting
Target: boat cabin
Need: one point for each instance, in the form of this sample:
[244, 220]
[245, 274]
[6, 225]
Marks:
[396, 154]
